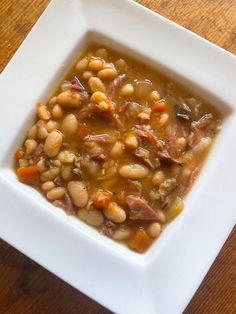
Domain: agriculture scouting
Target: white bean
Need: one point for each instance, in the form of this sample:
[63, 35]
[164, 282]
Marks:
[131, 141]
[109, 65]
[69, 98]
[92, 217]
[95, 84]
[121, 234]
[66, 157]
[93, 148]
[133, 171]
[158, 178]
[181, 143]
[95, 64]
[55, 193]
[115, 213]
[30, 146]
[56, 163]
[52, 126]
[57, 112]
[41, 165]
[87, 74]
[161, 215]
[107, 73]
[23, 162]
[53, 144]
[117, 149]
[50, 174]
[164, 117]
[185, 173]
[42, 133]
[32, 133]
[47, 186]
[43, 113]
[98, 96]
[82, 64]
[40, 123]
[127, 90]
[154, 229]
[69, 124]
[101, 53]
[66, 173]
[155, 96]
[78, 192]
[121, 65]
[52, 100]
[204, 143]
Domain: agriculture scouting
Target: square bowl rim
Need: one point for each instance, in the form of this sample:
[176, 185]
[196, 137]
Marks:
[142, 268]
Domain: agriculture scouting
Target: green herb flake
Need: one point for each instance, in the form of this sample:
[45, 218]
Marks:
[47, 163]
[178, 110]
[77, 172]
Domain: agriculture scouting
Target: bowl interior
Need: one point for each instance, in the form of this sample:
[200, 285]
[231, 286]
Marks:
[92, 37]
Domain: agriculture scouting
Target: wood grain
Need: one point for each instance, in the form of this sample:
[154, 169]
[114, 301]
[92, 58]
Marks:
[27, 288]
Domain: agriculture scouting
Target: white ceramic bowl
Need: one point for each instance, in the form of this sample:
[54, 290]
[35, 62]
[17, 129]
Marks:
[164, 279]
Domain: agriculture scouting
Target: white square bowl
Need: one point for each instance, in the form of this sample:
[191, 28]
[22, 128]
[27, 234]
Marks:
[165, 278]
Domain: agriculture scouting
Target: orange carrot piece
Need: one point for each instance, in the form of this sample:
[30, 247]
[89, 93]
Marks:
[140, 241]
[19, 153]
[159, 106]
[121, 198]
[83, 130]
[28, 175]
[101, 199]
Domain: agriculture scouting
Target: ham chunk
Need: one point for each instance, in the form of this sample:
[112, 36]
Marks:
[139, 209]
[197, 127]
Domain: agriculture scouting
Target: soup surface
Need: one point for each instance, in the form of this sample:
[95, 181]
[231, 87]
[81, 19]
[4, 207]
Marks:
[119, 146]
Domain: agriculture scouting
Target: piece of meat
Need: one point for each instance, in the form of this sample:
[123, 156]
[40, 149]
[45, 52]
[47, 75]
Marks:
[133, 187]
[67, 204]
[163, 153]
[167, 187]
[144, 155]
[114, 85]
[98, 157]
[84, 98]
[182, 110]
[193, 177]
[183, 116]
[172, 130]
[165, 202]
[145, 115]
[184, 105]
[108, 228]
[58, 181]
[76, 84]
[144, 132]
[98, 138]
[202, 123]
[69, 207]
[157, 162]
[197, 127]
[123, 106]
[87, 112]
[116, 121]
[139, 209]
[38, 153]
[73, 84]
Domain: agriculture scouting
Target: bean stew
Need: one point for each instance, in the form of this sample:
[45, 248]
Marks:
[118, 145]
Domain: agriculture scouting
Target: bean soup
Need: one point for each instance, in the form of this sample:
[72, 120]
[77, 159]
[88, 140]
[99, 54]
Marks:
[118, 145]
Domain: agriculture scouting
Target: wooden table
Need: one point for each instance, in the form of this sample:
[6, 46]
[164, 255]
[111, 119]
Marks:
[27, 288]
